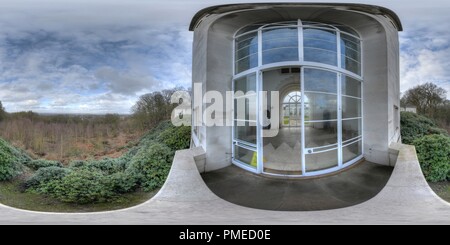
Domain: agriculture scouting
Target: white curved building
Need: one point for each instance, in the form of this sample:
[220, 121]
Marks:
[330, 73]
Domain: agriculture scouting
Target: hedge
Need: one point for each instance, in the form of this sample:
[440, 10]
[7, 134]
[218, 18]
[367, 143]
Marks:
[433, 152]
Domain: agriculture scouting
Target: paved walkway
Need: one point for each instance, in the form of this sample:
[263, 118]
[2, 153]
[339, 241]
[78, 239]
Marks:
[185, 199]
[354, 186]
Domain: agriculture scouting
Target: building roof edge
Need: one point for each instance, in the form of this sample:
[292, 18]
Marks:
[221, 9]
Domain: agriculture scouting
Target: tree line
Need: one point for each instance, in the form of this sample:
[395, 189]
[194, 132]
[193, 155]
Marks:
[431, 101]
[69, 137]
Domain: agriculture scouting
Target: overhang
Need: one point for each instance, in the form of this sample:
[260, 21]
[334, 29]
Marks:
[229, 8]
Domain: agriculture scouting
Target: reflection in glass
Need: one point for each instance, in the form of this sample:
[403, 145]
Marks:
[351, 129]
[320, 81]
[244, 156]
[246, 132]
[351, 65]
[351, 107]
[246, 56]
[247, 63]
[246, 51]
[352, 151]
[320, 46]
[245, 84]
[320, 56]
[280, 45]
[280, 55]
[350, 53]
[320, 106]
[245, 108]
[321, 161]
[287, 32]
[319, 134]
[351, 87]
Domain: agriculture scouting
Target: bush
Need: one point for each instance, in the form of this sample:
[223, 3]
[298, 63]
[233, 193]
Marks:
[11, 160]
[414, 126]
[107, 165]
[151, 165]
[40, 180]
[145, 165]
[154, 133]
[42, 163]
[176, 138]
[83, 186]
[77, 164]
[122, 182]
[434, 156]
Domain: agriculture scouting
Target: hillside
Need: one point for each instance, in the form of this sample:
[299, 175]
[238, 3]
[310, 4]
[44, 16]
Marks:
[70, 137]
[11, 160]
[144, 167]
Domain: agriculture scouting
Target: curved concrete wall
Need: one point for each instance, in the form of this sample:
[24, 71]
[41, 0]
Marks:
[213, 66]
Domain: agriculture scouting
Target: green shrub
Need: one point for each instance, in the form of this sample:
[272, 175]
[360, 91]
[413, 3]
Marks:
[176, 138]
[435, 130]
[433, 152]
[77, 164]
[414, 126]
[83, 186]
[107, 165]
[151, 165]
[11, 160]
[154, 133]
[39, 182]
[42, 163]
[145, 165]
[122, 182]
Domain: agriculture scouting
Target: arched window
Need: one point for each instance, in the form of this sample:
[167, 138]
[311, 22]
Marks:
[292, 109]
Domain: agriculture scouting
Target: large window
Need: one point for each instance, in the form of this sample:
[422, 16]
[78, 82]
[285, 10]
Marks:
[318, 70]
[281, 42]
[246, 52]
[320, 46]
[244, 125]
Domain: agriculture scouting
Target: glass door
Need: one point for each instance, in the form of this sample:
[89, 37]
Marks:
[282, 153]
[321, 120]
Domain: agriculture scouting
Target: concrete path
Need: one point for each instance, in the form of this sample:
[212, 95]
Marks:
[185, 199]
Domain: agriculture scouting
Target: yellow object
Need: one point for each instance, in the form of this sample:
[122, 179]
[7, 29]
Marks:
[286, 120]
[254, 161]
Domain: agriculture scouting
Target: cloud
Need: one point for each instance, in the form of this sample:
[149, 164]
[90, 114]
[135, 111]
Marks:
[127, 83]
[424, 57]
[66, 57]
[99, 56]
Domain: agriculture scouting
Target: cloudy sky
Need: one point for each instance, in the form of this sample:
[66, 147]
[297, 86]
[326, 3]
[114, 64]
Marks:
[98, 56]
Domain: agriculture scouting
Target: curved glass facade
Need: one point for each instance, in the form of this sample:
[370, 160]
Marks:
[317, 70]
[332, 45]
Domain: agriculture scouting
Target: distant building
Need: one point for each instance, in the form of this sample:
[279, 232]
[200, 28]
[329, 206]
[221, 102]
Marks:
[412, 109]
[335, 66]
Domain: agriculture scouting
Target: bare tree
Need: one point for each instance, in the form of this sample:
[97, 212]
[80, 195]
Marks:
[154, 107]
[2, 112]
[427, 98]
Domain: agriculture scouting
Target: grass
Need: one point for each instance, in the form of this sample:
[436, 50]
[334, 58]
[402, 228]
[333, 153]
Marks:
[12, 194]
[442, 189]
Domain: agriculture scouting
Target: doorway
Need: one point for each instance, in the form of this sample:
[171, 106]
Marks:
[283, 152]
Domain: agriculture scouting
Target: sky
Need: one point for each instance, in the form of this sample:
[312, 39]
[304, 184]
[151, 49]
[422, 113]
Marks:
[99, 56]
